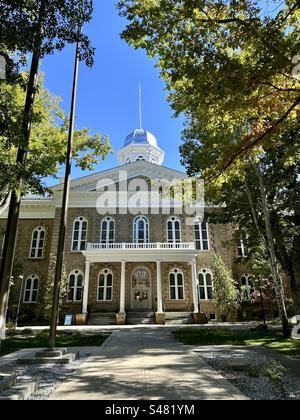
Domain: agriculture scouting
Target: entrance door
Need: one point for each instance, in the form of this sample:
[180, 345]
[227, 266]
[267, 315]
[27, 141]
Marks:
[141, 294]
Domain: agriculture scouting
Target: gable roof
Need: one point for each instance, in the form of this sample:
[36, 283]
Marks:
[139, 168]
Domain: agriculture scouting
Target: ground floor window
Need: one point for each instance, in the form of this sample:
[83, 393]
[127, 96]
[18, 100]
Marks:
[31, 289]
[206, 284]
[105, 286]
[176, 280]
[75, 286]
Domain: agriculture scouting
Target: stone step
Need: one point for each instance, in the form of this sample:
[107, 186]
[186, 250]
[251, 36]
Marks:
[179, 318]
[64, 360]
[7, 380]
[102, 319]
[51, 353]
[21, 391]
[143, 318]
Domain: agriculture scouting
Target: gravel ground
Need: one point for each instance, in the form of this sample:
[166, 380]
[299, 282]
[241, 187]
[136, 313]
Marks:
[260, 388]
[50, 376]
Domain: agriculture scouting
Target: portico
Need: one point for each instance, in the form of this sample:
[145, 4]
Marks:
[143, 275]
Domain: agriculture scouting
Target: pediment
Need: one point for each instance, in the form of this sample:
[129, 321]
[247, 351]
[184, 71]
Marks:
[141, 169]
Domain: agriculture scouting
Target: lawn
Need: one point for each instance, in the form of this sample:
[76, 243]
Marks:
[14, 343]
[271, 340]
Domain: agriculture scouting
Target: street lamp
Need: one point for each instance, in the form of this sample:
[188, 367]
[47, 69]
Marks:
[21, 278]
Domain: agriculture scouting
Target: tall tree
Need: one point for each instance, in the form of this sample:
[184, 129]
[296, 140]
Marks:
[39, 27]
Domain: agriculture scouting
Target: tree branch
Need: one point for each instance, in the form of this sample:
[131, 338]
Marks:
[250, 146]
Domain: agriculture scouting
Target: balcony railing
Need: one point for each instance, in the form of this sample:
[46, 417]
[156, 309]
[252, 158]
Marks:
[136, 247]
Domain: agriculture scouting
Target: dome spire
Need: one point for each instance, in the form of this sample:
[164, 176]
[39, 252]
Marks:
[140, 106]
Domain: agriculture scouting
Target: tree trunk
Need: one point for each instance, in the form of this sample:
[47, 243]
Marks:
[274, 263]
[15, 201]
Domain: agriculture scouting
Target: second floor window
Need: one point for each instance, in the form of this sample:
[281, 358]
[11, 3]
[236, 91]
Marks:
[108, 230]
[174, 230]
[202, 236]
[79, 234]
[37, 242]
[141, 230]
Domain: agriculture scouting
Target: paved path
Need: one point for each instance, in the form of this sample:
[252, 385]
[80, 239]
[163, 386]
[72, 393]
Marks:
[146, 365]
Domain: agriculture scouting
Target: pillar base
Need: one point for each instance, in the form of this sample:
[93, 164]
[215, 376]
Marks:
[160, 318]
[121, 319]
[200, 318]
[81, 319]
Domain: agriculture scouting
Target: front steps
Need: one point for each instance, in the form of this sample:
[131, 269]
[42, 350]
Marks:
[179, 318]
[140, 318]
[102, 319]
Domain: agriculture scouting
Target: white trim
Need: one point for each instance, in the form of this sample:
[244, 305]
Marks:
[146, 230]
[201, 240]
[108, 220]
[176, 286]
[105, 272]
[39, 230]
[76, 273]
[205, 286]
[81, 220]
[174, 220]
[32, 277]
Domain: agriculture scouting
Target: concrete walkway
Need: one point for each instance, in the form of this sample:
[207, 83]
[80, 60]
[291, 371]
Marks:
[146, 364]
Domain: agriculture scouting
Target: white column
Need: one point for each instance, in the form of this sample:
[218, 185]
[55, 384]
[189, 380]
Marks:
[123, 287]
[194, 287]
[159, 289]
[86, 288]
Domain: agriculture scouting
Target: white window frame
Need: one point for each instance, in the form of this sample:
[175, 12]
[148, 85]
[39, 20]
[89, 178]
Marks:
[173, 240]
[241, 248]
[176, 272]
[146, 230]
[107, 240]
[39, 230]
[204, 272]
[248, 286]
[75, 288]
[31, 290]
[81, 220]
[201, 239]
[105, 272]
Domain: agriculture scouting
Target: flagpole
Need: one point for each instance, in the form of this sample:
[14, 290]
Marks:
[64, 211]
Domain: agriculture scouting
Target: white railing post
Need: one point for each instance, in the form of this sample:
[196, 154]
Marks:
[86, 288]
[123, 287]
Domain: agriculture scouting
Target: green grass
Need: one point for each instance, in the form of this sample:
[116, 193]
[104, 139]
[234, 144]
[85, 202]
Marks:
[271, 340]
[13, 344]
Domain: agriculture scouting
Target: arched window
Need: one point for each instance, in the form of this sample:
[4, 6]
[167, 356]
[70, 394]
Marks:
[176, 283]
[202, 236]
[75, 286]
[248, 288]
[108, 230]
[174, 230]
[31, 289]
[141, 230]
[105, 286]
[79, 234]
[206, 284]
[37, 242]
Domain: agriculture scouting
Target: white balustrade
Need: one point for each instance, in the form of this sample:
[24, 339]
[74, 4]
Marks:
[142, 246]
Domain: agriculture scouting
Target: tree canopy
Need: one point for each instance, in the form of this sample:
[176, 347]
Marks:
[48, 140]
[228, 66]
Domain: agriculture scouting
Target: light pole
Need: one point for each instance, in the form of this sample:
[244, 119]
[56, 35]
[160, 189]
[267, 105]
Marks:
[64, 211]
[19, 302]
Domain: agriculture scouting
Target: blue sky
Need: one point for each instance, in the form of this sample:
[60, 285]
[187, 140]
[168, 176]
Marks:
[108, 93]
